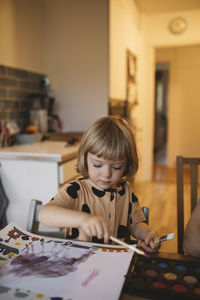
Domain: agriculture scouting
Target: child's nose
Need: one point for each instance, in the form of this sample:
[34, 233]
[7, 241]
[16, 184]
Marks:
[107, 172]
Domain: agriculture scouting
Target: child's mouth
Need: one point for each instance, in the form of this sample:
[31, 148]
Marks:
[104, 182]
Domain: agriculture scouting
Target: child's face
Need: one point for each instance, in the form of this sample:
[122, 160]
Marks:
[105, 173]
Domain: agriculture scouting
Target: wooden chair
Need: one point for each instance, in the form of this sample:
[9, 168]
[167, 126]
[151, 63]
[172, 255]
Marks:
[193, 163]
[33, 222]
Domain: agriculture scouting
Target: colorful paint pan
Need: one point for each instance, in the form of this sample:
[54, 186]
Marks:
[164, 278]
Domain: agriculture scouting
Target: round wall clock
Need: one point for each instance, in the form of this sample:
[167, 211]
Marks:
[177, 25]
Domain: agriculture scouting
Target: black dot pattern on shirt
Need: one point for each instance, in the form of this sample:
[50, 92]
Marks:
[122, 191]
[75, 233]
[130, 208]
[112, 196]
[72, 189]
[96, 240]
[98, 193]
[134, 198]
[122, 230]
[86, 208]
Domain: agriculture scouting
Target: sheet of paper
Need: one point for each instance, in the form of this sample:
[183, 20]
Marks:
[68, 269]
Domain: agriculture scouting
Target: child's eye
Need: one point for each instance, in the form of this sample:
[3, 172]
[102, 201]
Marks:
[117, 168]
[97, 166]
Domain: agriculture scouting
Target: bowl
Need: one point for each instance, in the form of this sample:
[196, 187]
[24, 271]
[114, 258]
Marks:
[28, 138]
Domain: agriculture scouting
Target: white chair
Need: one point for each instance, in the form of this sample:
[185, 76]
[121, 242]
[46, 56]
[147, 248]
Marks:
[33, 222]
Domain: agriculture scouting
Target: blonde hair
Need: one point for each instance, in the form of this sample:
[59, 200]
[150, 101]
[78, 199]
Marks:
[111, 138]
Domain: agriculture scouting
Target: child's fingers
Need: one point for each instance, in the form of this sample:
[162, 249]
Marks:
[93, 230]
[102, 231]
[99, 230]
[88, 226]
[147, 248]
[106, 233]
[154, 245]
[149, 245]
[96, 226]
[149, 240]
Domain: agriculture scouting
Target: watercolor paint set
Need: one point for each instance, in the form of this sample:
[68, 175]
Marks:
[163, 278]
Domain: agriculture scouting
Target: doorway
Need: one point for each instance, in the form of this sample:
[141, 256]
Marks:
[161, 114]
[177, 98]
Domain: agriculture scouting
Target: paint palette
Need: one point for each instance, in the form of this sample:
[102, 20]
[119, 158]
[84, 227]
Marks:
[163, 278]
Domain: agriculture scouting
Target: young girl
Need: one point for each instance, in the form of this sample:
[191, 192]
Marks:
[102, 203]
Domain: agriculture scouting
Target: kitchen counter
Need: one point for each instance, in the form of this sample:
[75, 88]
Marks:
[35, 171]
[47, 150]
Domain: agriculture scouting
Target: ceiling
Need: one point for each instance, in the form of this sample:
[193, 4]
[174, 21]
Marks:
[161, 6]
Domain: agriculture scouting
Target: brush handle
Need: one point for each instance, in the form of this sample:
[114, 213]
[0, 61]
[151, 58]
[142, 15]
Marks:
[119, 242]
[164, 238]
[133, 248]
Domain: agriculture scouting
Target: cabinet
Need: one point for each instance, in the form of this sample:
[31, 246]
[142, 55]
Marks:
[67, 171]
[34, 171]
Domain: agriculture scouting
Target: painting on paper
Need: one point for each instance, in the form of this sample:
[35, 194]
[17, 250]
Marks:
[68, 270]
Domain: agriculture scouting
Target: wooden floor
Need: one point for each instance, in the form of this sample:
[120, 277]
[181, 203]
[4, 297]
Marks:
[160, 196]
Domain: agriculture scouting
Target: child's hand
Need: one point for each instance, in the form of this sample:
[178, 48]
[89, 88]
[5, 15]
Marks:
[96, 226]
[149, 245]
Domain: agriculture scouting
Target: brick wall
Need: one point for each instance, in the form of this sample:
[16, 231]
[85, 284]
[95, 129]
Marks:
[16, 86]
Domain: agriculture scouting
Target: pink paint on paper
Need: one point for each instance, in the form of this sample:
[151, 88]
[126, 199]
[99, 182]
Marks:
[90, 277]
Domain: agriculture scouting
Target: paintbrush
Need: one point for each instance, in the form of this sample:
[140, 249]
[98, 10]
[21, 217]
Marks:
[164, 238]
[133, 248]
[160, 239]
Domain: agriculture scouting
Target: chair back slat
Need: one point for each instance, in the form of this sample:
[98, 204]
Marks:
[194, 184]
[33, 223]
[180, 163]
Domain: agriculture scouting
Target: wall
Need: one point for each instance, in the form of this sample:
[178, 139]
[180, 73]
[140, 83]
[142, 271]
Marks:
[77, 59]
[142, 34]
[22, 34]
[155, 29]
[123, 35]
[184, 105]
[126, 33]
[68, 40]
